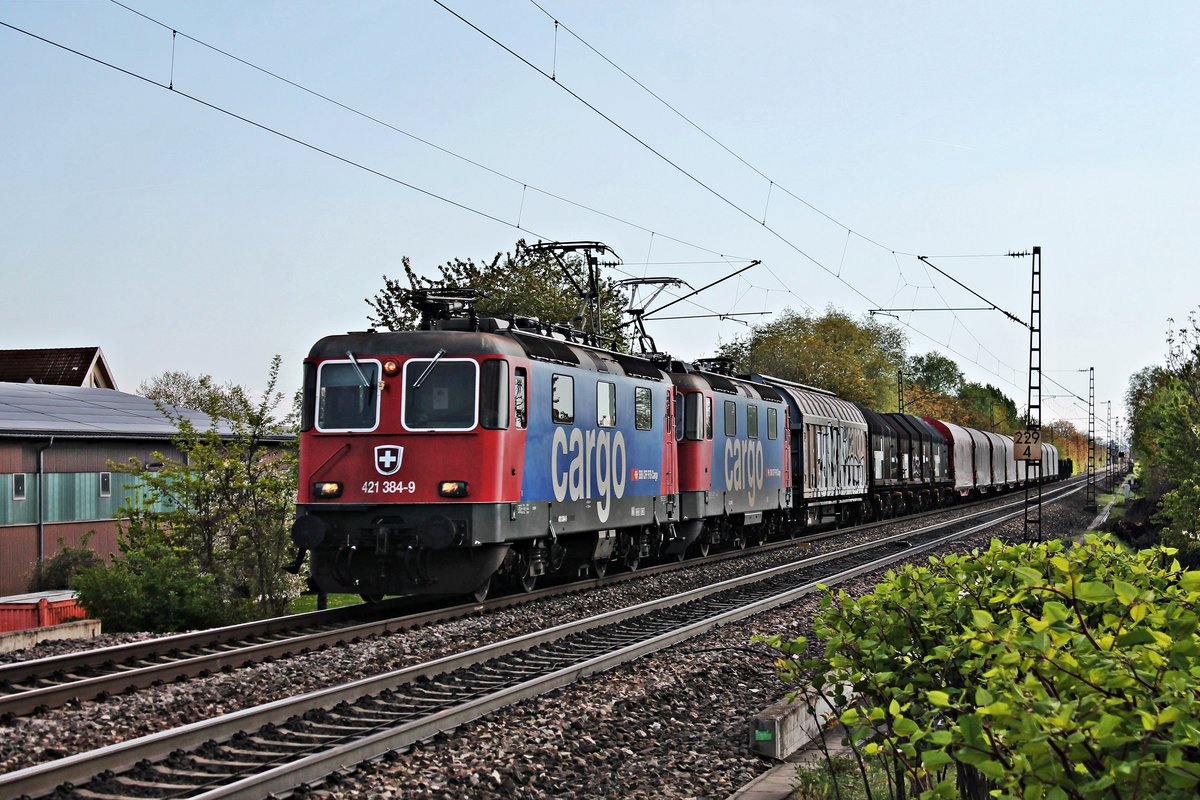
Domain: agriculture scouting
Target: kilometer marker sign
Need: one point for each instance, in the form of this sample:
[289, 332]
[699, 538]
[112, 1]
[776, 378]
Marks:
[1027, 445]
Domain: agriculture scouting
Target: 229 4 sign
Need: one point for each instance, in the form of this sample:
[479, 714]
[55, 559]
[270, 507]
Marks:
[1027, 445]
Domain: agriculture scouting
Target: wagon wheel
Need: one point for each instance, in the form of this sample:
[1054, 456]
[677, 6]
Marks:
[371, 598]
[527, 581]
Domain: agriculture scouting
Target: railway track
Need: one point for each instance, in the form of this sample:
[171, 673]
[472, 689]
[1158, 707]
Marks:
[279, 746]
[30, 687]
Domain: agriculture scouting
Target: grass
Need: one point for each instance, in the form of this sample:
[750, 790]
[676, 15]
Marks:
[839, 777]
[308, 602]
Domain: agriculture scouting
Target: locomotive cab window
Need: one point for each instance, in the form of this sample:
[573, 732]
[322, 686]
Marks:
[562, 399]
[708, 417]
[520, 381]
[752, 421]
[493, 394]
[606, 404]
[693, 416]
[643, 409]
[730, 418]
[440, 394]
[348, 395]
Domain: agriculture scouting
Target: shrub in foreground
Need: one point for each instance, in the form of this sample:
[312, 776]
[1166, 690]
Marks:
[152, 586]
[1026, 671]
[59, 571]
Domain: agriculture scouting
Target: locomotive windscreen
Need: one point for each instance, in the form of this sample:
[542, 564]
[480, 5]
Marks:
[348, 395]
[440, 394]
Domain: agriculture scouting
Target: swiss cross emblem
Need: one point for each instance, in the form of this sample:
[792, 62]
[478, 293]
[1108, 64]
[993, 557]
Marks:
[388, 458]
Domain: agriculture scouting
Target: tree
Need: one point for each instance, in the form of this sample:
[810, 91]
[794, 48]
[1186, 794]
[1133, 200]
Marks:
[988, 409]
[1164, 404]
[521, 284]
[855, 359]
[935, 372]
[230, 500]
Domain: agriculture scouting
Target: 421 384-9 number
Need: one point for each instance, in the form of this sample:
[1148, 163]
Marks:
[389, 487]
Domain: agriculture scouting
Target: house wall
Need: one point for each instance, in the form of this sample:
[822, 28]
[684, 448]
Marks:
[74, 502]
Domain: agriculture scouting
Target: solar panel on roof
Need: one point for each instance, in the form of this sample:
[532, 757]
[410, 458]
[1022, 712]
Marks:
[76, 410]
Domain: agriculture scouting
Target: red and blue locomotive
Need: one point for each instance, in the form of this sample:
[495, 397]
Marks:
[432, 461]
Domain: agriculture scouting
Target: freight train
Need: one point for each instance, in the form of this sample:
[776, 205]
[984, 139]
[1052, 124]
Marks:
[475, 449]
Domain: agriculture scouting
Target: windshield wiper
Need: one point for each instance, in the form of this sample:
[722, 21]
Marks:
[436, 358]
[361, 375]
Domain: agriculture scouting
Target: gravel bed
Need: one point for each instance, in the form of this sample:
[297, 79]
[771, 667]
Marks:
[698, 694]
[672, 725]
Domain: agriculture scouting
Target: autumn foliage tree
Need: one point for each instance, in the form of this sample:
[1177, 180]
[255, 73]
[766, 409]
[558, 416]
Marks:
[856, 359]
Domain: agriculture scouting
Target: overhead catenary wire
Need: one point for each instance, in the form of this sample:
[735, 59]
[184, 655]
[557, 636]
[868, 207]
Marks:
[315, 148]
[658, 153]
[525, 185]
[518, 226]
[773, 183]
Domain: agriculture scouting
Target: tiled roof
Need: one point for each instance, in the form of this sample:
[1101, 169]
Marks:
[57, 366]
[28, 408]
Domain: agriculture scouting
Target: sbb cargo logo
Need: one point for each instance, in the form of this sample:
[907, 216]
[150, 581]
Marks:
[588, 465]
[643, 474]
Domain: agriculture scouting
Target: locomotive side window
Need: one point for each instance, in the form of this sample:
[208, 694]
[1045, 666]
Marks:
[772, 423]
[708, 418]
[693, 421]
[643, 411]
[348, 395]
[730, 418]
[562, 399]
[519, 384]
[606, 404]
[440, 394]
[493, 394]
[752, 421]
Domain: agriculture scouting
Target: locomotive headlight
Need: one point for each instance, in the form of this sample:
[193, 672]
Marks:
[390, 367]
[452, 488]
[328, 489]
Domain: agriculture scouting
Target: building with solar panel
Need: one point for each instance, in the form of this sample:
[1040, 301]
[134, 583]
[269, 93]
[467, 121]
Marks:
[57, 445]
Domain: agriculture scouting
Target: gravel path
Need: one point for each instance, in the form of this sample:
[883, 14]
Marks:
[671, 725]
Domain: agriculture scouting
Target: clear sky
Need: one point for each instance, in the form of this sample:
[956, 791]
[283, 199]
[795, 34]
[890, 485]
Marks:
[178, 237]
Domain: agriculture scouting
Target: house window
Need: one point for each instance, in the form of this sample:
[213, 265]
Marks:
[106, 484]
[19, 486]
[606, 404]
[562, 399]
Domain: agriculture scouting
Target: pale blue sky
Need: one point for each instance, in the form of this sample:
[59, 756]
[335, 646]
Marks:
[176, 237]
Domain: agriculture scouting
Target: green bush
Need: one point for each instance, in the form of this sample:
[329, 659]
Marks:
[154, 587]
[1026, 671]
[59, 571]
